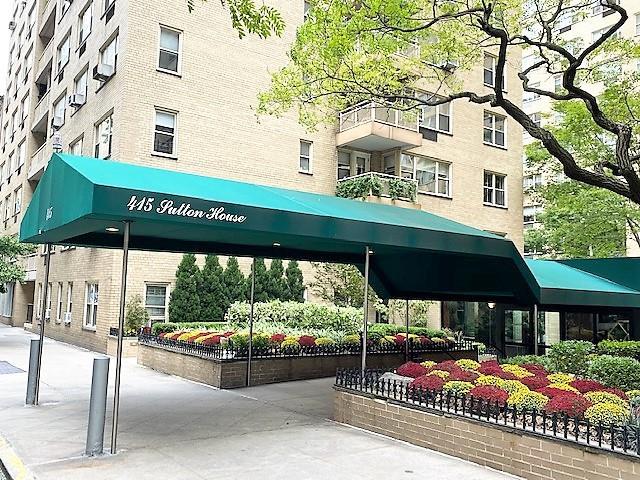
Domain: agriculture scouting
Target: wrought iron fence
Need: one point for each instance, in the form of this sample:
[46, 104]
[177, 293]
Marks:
[623, 439]
[229, 351]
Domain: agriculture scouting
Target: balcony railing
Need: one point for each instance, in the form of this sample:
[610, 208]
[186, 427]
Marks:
[47, 55]
[372, 112]
[39, 162]
[41, 108]
[379, 185]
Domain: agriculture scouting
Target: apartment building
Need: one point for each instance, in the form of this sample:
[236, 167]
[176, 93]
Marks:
[147, 82]
[577, 31]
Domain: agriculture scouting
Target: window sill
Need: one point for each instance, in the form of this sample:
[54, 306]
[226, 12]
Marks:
[438, 195]
[501, 147]
[304, 172]
[164, 155]
[495, 205]
[76, 109]
[169, 72]
[89, 328]
[443, 132]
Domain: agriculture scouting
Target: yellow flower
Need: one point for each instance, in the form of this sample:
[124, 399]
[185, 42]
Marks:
[517, 370]
[606, 397]
[489, 380]
[428, 364]
[439, 373]
[526, 399]
[561, 377]
[606, 413]
[467, 364]
[513, 386]
[458, 387]
[564, 386]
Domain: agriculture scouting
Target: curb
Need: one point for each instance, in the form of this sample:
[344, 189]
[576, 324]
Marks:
[12, 463]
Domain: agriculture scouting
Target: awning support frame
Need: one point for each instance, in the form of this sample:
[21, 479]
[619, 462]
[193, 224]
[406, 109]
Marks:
[365, 308]
[43, 314]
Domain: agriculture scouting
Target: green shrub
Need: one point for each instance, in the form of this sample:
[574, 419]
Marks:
[239, 340]
[136, 316]
[541, 360]
[159, 328]
[620, 349]
[571, 356]
[633, 394]
[385, 329]
[617, 372]
[607, 414]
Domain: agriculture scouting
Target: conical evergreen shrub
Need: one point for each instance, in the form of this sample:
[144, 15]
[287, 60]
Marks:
[184, 303]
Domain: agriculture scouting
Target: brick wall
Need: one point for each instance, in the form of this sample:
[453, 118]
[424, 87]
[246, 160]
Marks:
[129, 346]
[502, 448]
[233, 374]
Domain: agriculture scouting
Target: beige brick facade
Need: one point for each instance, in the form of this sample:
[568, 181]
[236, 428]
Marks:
[217, 134]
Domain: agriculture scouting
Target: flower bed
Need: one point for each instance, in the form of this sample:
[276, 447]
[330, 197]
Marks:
[522, 396]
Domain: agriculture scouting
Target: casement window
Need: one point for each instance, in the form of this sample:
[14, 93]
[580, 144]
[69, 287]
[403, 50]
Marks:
[530, 213]
[63, 55]
[495, 189]
[76, 147]
[109, 53]
[59, 309]
[156, 301]
[436, 117]
[169, 54]
[91, 305]
[490, 67]
[80, 87]
[69, 298]
[433, 176]
[306, 152]
[22, 152]
[17, 201]
[109, 9]
[494, 129]
[84, 25]
[104, 134]
[58, 112]
[344, 164]
[531, 96]
[532, 181]
[164, 136]
[352, 163]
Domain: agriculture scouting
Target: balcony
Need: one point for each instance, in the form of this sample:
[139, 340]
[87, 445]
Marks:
[30, 267]
[47, 18]
[39, 162]
[46, 59]
[375, 185]
[372, 127]
[41, 115]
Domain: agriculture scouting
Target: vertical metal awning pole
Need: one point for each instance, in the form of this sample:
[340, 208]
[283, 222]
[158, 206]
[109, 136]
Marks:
[123, 294]
[43, 314]
[365, 308]
[406, 340]
[253, 289]
[535, 329]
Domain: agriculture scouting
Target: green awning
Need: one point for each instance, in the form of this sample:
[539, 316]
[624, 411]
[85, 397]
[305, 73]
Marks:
[569, 283]
[417, 255]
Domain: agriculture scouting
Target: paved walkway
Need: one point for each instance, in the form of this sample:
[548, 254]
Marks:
[174, 429]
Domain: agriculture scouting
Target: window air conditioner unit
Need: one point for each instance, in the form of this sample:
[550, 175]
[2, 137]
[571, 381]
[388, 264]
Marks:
[12, 25]
[76, 100]
[67, 318]
[102, 72]
[449, 65]
[57, 122]
[47, 314]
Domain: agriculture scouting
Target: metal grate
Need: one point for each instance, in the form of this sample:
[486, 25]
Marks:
[6, 367]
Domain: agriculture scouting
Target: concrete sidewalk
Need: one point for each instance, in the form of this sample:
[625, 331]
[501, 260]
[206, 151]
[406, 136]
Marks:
[174, 429]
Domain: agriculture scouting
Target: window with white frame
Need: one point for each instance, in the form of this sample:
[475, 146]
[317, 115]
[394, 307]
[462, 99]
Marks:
[63, 54]
[490, 67]
[58, 112]
[60, 303]
[17, 201]
[6, 300]
[47, 313]
[80, 87]
[7, 207]
[532, 181]
[596, 35]
[164, 135]
[76, 147]
[344, 164]
[155, 301]
[69, 299]
[84, 23]
[306, 151]
[437, 117]
[169, 54]
[536, 118]
[104, 134]
[28, 63]
[22, 153]
[530, 213]
[39, 302]
[637, 23]
[564, 21]
[433, 176]
[600, 9]
[557, 83]
[91, 305]
[11, 162]
[494, 129]
[531, 96]
[64, 6]
[109, 54]
[495, 189]
[108, 4]
[25, 106]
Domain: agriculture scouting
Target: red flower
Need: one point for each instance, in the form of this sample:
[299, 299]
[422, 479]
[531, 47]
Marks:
[569, 403]
[490, 393]
[425, 340]
[616, 391]
[584, 386]
[534, 368]
[505, 375]
[399, 339]
[490, 367]
[463, 376]
[215, 340]
[535, 383]
[307, 340]
[552, 392]
[448, 366]
[428, 382]
[174, 335]
[201, 334]
[162, 335]
[411, 369]
[227, 334]
[278, 337]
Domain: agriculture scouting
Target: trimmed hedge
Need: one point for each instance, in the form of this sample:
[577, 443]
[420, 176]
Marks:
[620, 348]
[159, 328]
[616, 372]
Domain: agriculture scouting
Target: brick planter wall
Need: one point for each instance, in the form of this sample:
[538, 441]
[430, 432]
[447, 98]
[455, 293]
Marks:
[233, 374]
[129, 346]
[530, 456]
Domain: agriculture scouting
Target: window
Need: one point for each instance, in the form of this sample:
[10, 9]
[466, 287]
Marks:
[64, 6]
[307, 8]
[91, 305]
[22, 152]
[536, 118]
[63, 55]
[104, 134]
[164, 137]
[80, 88]
[530, 213]
[6, 300]
[155, 302]
[84, 24]
[490, 66]
[557, 83]
[7, 207]
[169, 56]
[433, 176]
[17, 201]
[69, 299]
[58, 112]
[532, 181]
[59, 310]
[595, 36]
[305, 156]
[25, 106]
[28, 64]
[494, 189]
[436, 117]
[39, 304]
[494, 129]
[344, 164]
[47, 313]
[76, 147]
[564, 21]
[531, 96]
[109, 9]
[11, 166]
[389, 164]
[109, 54]
[637, 23]
[603, 10]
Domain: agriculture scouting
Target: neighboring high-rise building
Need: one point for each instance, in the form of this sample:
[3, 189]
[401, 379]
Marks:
[578, 32]
[147, 82]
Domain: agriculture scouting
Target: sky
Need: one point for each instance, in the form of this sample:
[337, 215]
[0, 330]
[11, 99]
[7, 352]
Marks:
[5, 15]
